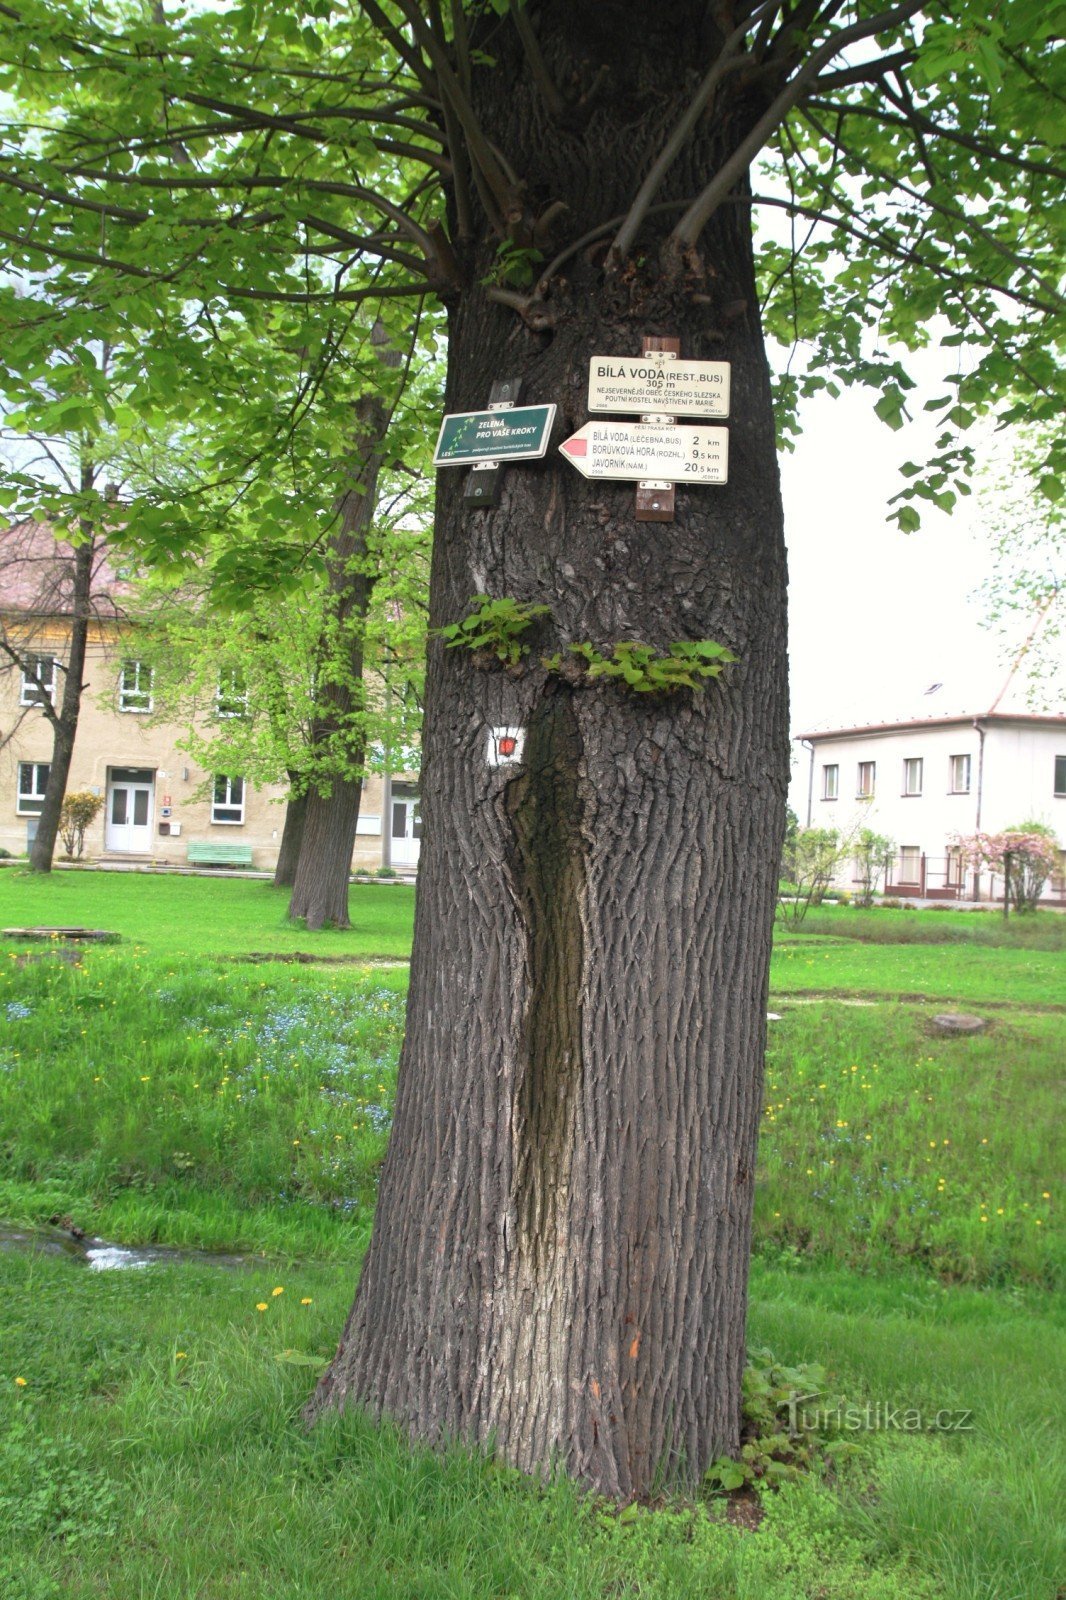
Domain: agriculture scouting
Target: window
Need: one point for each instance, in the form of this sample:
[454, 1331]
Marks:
[1060, 775]
[227, 801]
[38, 680]
[960, 774]
[912, 775]
[135, 686]
[231, 696]
[830, 782]
[867, 778]
[910, 863]
[33, 780]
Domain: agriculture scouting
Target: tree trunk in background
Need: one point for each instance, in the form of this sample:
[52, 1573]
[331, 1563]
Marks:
[291, 839]
[320, 884]
[560, 1254]
[65, 722]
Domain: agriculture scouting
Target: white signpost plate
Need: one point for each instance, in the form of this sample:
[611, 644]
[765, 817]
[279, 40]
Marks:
[639, 450]
[646, 383]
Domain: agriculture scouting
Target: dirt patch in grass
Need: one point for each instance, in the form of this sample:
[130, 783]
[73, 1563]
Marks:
[878, 997]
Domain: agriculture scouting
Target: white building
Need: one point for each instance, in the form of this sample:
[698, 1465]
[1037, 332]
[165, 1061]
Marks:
[923, 781]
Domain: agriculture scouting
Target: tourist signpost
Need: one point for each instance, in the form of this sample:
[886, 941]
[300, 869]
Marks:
[639, 450]
[487, 440]
[642, 384]
[655, 452]
[520, 433]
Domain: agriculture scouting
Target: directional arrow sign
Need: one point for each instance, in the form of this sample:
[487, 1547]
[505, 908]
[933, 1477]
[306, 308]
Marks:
[635, 450]
[644, 383]
[515, 435]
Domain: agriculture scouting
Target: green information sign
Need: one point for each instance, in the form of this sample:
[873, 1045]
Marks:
[467, 437]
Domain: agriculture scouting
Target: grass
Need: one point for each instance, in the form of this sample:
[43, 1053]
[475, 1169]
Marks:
[164, 1091]
[207, 1104]
[883, 1140]
[193, 917]
[156, 1448]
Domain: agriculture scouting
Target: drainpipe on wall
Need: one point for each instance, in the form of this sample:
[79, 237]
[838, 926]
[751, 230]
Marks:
[810, 780]
[386, 777]
[980, 731]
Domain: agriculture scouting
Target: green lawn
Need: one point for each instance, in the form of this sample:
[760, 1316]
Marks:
[216, 916]
[166, 1090]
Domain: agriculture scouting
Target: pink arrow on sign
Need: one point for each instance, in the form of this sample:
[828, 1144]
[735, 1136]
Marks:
[635, 451]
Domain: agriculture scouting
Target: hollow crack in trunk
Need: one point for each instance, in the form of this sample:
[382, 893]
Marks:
[547, 866]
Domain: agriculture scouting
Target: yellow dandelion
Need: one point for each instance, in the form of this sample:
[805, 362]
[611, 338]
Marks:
[275, 1292]
[179, 1355]
[261, 1305]
[20, 1383]
[306, 1301]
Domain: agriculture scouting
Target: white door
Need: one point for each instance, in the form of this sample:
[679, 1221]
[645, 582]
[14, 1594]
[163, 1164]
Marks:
[129, 816]
[406, 831]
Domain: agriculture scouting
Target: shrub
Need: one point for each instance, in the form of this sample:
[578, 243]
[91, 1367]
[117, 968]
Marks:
[79, 811]
[1024, 857]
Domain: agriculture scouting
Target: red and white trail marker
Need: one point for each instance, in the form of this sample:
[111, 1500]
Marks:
[505, 746]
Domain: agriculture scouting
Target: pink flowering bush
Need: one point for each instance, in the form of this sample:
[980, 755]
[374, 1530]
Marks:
[1034, 855]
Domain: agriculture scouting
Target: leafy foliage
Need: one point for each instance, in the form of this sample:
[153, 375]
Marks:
[495, 627]
[872, 853]
[780, 1438]
[686, 664]
[1025, 857]
[79, 811]
[810, 861]
[211, 196]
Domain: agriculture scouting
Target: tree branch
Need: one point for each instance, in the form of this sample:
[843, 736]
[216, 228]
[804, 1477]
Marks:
[866, 71]
[399, 43]
[728, 59]
[965, 223]
[481, 152]
[703, 207]
[537, 65]
[846, 222]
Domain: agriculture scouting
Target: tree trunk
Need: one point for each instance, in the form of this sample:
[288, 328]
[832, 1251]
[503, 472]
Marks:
[65, 721]
[559, 1261]
[291, 840]
[325, 864]
[338, 737]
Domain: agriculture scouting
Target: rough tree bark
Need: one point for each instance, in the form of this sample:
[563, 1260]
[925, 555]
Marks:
[64, 721]
[291, 839]
[559, 1261]
[320, 882]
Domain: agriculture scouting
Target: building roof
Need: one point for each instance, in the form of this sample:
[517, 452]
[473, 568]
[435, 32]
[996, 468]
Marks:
[1047, 719]
[990, 694]
[37, 574]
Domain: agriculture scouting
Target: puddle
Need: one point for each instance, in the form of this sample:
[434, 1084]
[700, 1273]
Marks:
[100, 1256]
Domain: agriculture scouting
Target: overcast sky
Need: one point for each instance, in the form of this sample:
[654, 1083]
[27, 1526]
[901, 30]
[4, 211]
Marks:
[876, 615]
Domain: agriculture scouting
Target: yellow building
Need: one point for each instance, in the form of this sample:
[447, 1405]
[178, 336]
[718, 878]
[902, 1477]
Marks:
[157, 801]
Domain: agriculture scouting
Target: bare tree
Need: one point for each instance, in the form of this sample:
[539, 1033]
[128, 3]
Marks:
[56, 584]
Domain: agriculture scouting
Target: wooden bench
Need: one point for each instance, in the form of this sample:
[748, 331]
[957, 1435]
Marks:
[206, 853]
